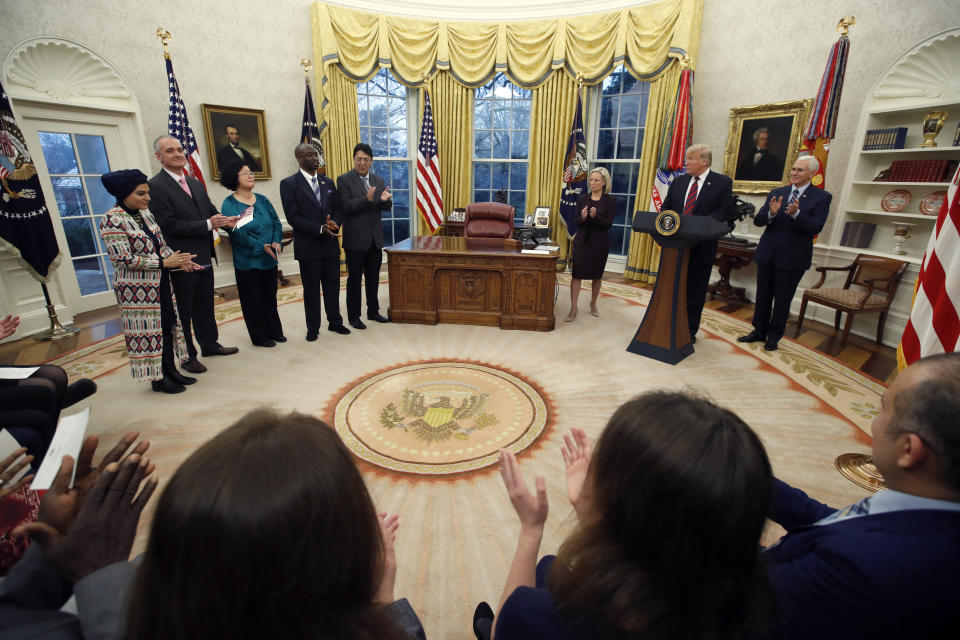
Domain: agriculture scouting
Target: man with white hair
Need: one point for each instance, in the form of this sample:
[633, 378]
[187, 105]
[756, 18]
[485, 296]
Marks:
[793, 216]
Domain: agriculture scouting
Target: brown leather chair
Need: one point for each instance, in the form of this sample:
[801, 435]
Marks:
[488, 220]
[878, 275]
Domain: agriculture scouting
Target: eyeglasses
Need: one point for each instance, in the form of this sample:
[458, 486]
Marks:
[245, 173]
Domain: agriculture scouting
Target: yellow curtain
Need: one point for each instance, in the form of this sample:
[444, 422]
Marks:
[642, 37]
[342, 130]
[643, 257]
[551, 117]
[453, 124]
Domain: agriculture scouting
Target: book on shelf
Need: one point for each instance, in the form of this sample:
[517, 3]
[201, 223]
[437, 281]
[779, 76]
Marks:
[889, 138]
[857, 234]
[918, 171]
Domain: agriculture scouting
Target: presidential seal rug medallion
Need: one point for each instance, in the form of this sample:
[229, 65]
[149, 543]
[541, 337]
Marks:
[440, 418]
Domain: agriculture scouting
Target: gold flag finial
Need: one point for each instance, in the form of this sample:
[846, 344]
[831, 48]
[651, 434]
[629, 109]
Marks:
[165, 38]
[307, 65]
[845, 23]
[579, 80]
[685, 62]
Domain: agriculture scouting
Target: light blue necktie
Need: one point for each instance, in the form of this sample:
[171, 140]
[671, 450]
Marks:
[859, 508]
[316, 189]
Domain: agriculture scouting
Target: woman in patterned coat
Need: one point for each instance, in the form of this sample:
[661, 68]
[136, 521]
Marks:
[142, 261]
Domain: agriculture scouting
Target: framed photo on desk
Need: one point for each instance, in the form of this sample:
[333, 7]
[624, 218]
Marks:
[528, 220]
[541, 217]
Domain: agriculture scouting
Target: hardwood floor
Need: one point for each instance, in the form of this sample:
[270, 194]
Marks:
[860, 354]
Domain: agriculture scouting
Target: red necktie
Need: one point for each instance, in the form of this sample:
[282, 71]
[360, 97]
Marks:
[691, 197]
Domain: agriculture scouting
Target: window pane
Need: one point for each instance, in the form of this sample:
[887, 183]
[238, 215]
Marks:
[605, 143]
[90, 275]
[608, 117]
[401, 229]
[501, 144]
[621, 215]
[629, 110]
[637, 150]
[620, 176]
[483, 147]
[79, 232]
[378, 111]
[521, 115]
[616, 240]
[100, 200]
[518, 176]
[387, 227]
[520, 140]
[482, 114]
[500, 176]
[398, 114]
[400, 175]
[398, 143]
[481, 176]
[519, 200]
[58, 152]
[626, 80]
[626, 142]
[93, 155]
[70, 198]
[481, 195]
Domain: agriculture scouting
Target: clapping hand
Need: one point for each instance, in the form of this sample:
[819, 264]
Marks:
[577, 452]
[331, 226]
[179, 260]
[389, 523]
[532, 509]
[793, 208]
[8, 325]
[10, 467]
[584, 213]
[386, 195]
[775, 205]
[370, 192]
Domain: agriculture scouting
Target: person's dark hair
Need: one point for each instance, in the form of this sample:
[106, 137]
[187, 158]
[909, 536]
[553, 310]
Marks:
[930, 409]
[678, 492]
[266, 531]
[230, 174]
[363, 146]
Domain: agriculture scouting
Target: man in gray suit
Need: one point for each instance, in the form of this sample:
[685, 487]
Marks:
[363, 196]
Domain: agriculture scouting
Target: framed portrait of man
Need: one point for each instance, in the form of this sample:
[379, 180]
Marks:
[236, 132]
[763, 144]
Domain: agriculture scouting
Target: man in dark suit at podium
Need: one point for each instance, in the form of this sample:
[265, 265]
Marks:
[700, 192]
[188, 220]
[363, 196]
[310, 205]
[793, 216]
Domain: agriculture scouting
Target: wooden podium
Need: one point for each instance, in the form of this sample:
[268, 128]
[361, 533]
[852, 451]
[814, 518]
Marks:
[664, 333]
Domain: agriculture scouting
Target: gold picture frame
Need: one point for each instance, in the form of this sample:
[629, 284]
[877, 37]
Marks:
[248, 127]
[763, 143]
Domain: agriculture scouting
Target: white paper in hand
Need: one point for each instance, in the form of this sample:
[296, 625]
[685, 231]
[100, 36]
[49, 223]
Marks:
[66, 442]
[245, 217]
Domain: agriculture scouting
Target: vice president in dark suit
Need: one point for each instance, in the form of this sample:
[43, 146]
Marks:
[310, 204]
[885, 566]
[188, 220]
[700, 192]
[363, 195]
[793, 216]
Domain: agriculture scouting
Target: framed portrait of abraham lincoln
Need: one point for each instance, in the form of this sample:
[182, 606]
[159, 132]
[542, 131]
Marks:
[763, 143]
[236, 133]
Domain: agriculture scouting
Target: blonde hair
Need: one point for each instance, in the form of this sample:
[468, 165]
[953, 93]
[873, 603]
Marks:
[703, 152]
[606, 177]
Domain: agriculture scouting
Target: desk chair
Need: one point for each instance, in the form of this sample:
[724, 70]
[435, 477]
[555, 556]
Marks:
[489, 220]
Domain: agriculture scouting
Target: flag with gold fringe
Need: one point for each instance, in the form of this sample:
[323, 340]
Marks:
[675, 138]
[574, 173]
[310, 131]
[821, 124]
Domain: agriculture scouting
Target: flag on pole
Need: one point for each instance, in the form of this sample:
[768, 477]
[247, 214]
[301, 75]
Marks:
[26, 228]
[934, 324]
[429, 194]
[676, 135]
[179, 127]
[574, 173]
[310, 133]
[822, 122]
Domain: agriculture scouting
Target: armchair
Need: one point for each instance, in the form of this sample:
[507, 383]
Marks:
[489, 220]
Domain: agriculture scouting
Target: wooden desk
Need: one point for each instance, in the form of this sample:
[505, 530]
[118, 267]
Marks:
[730, 256]
[477, 281]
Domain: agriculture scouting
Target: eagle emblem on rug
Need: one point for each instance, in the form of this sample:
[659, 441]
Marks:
[436, 412]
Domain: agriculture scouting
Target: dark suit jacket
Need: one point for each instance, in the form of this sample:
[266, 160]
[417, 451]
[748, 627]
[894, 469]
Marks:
[226, 154]
[595, 232]
[787, 243]
[715, 200]
[183, 219]
[311, 239]
[361, 219]
[889, 575]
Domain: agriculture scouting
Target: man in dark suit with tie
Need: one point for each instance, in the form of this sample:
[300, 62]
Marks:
[363, 196]
[188, 221]
[886, 566]
[793, 216]
[310, 206]
[232, 150]
[759, 163]
[700, 192]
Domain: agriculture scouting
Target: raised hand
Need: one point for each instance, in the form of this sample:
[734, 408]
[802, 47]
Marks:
[793, 208]
[10, 467]
[8, 325]
[178, 259]
[577, 452]
[370, 192]
[775, 205]
[106, 524]
[584, 213]
[532, 509]
[386, 195]
[389, 523]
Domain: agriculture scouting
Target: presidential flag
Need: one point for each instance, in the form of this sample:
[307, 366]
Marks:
[934, 324]
[310, 132]
[574, 173]
[26, 228]
[429, 194]
[179, 127]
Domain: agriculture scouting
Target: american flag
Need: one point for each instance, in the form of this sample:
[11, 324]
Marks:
[179, 127]
[934, 325]
[429, 196]
[310, 133]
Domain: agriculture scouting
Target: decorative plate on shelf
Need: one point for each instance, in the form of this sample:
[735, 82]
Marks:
[931, 204]
[895, 201]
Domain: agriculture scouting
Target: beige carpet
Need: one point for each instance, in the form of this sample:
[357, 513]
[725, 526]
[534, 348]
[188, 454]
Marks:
[425, 408]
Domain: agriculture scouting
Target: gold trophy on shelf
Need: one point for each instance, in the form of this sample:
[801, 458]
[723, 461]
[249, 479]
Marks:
[932, 124]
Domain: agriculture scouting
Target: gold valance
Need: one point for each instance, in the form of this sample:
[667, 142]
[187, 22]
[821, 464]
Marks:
[641, 37]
